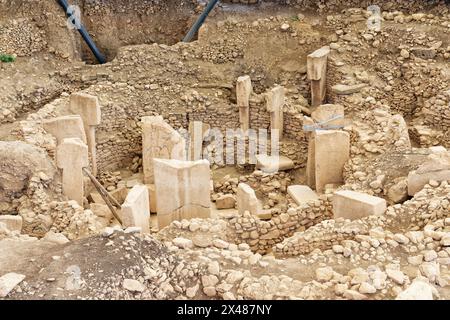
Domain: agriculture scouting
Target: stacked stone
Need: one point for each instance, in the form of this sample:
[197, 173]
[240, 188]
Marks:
[261, 236]
[320, 236]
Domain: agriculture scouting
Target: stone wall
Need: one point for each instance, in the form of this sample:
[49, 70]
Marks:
[261, 235]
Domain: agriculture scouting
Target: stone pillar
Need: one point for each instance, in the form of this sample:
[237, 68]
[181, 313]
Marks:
[197, 132]
[317, 73]
[88, 108]
[72, 156]
[243, 91]
[66, 127]
[182, 190]
[328, 152]
[246, 200]
[136, 209]
[159, 140]
[275, 102]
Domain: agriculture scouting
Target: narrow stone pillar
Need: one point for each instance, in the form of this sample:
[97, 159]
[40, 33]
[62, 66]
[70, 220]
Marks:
[72, 156]
[65, 127]
[317, 73]
[197, 132]
[88, 108]
[243, 91]
[246, 200]
[328, 152]
[159, 140]
[182, 190]
[136, 209]
[275, 102]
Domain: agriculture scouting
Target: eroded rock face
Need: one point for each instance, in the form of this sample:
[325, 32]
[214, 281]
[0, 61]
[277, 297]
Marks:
[19, 162]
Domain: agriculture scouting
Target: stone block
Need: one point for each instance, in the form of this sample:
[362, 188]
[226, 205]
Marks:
[66, 127]
[13, 223]
[271, 164]
[136, 209]
[355, 205]
[246, 200]
[301, 194]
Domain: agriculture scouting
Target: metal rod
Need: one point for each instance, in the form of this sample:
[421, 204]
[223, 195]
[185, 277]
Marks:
[84, 34]
[105, 195]
[201, 19]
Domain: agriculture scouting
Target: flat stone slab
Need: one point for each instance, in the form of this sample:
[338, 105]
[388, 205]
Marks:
[355, 205]
[13, 223]
[136, 209]
[344, 89]
[272, 164]
[301, 194]
[8, 282]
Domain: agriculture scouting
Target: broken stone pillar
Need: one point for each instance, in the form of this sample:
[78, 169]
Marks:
[182, 190]
[328, 151]
[88, 108]
[159, 140]
[66, 127]
[271, 164]
[243, 92]
[301, 194]
[275, 102]
[246, 200]
[72, 156]
[317, 73]
[197, 132]
[356, 205]
[136, 209]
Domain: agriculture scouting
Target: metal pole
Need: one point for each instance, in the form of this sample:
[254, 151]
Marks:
[84, 34]
[201, 19]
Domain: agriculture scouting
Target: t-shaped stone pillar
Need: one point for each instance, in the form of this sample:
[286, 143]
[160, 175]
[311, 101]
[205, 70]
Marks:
[88, 108]
[159, 140]
[66, 127]
[243, 91]
[316, 63]
[197, 132]
[275, 102]
[72, 156]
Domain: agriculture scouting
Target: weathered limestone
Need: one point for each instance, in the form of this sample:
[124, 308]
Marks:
[182, 190]
[226, 201]
[271, 164]
[343, 89]
[13, 223]
[329, 116]
[197, 132]
[66, 127]
[437, 168]
[88, 108]
[317, 74]
[243, 92]
[246, 200]
[159, 140]
[136, 209]
[328, 151]
[275, 100]
[301, 194]
[355, 205]
[8, 282]
[72, 157]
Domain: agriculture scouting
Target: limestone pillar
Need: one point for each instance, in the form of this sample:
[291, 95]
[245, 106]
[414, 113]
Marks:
[197, 132]
[159, 140]
[72, 156]
[317, 74]
[182, 190]
[243, 92]
[65, 127]
[246, 200]
[136, 209]
[275, 102]
[328, 151]
[88, 108]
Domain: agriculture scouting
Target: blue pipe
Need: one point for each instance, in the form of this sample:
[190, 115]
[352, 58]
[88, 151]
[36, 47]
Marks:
[194, 29]
[84, 34]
